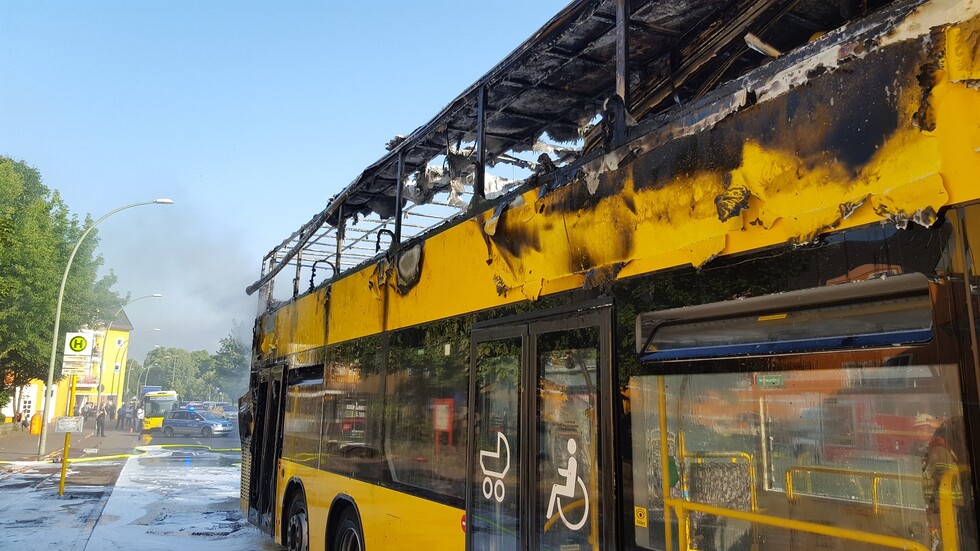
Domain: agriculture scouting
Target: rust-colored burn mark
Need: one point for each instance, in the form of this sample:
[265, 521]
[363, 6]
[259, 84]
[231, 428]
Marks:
[513, 241]
[408, 268]
[925, 117]
[847, 208]
[501, 285]
[708, 151]
[602, 276]
[732, 202]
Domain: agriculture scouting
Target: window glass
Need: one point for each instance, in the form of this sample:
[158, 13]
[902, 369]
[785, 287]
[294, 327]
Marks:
[856, 325]
[856, 440]
[301, 423]
[352, 408]
[425, 432]
[568, 507]
[494, 518]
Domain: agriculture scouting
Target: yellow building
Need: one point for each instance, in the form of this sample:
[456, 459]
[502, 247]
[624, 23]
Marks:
[105, 379]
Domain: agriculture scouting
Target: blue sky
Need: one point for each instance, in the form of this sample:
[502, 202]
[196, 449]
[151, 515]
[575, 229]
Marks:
[250, 115]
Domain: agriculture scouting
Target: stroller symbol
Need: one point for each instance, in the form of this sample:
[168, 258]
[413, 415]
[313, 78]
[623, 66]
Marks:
[495, 488]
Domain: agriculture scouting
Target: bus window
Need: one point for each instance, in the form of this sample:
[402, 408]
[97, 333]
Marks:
[301, 429]
[350, 437]
[495, 515]
[568, 511]
[425, 437]
[869, 441]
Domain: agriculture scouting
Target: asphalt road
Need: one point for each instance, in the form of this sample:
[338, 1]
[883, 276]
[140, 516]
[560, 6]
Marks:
[126, 491]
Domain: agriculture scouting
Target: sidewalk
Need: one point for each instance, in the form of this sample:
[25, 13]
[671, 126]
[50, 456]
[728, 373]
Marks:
[22, 445]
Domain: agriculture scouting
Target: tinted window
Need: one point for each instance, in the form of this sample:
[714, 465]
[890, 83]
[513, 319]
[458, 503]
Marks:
[353, 405]
[427, 385]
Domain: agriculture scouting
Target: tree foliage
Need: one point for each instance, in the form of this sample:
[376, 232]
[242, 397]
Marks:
[197, 375]
[37, 235]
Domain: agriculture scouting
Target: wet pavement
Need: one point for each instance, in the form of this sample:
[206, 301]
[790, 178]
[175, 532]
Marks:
[121, 494]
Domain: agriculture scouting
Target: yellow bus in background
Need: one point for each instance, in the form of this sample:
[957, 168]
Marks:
[156, 405]
[671, 276]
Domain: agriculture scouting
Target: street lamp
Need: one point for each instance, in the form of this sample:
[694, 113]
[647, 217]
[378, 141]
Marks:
[105, 340]
[42, 441]
[156, 362]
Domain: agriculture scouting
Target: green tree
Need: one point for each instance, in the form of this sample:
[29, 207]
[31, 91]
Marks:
[231, 366]
[37, 234]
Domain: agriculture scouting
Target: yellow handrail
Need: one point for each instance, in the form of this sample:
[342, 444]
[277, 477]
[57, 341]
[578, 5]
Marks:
[803, 526]
[947, 508]
[875, 477]
[664, 452]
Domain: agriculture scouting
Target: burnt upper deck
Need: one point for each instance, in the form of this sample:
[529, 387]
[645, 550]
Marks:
[553, 95]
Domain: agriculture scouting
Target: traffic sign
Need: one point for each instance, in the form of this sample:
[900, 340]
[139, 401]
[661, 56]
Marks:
[68, 424]
[75, 366]
[79, 344]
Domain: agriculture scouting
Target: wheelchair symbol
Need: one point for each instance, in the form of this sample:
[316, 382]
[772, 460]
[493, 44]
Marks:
[572, 482]
[491, 487]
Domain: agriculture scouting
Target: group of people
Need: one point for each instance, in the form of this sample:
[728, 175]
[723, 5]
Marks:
[23, 418]
[127, 416]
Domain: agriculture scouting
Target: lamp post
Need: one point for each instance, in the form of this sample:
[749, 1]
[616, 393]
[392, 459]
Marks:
[146, 373]
[42, 441]
[105, 340]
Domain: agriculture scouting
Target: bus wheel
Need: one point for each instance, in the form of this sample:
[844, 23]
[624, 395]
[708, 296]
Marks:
[297, 527]
[348, 536]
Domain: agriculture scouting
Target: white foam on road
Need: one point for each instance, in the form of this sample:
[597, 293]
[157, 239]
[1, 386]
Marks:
[164, 501]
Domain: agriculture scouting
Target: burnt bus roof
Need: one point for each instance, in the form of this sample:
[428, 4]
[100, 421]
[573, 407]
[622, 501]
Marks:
[552, 90]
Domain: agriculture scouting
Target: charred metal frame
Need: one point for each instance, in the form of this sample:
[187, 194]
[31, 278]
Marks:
[663, 54]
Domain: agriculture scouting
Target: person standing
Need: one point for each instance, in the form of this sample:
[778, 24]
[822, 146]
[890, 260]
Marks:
[121, 417]
[139, 418]
[100, 418]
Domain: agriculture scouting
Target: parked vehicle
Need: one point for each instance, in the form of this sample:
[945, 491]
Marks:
[195, 422]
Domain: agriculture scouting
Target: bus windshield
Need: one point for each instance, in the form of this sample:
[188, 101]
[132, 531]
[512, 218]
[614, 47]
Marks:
[157, 406]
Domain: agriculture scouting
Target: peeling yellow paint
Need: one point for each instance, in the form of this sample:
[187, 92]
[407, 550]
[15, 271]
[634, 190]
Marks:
[910, 200]
[963, 51]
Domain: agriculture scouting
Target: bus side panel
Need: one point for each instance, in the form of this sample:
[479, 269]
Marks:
[295, 327]
[356, 307]
[390, 519]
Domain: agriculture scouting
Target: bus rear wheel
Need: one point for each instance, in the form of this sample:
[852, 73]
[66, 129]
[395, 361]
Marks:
[297, 525]
[348, 536]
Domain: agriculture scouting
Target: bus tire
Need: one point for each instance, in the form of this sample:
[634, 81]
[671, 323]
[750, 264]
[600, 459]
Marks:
[348, 536]
[297, 524]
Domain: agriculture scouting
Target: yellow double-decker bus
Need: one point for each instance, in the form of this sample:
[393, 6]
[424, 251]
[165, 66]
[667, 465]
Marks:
[672, 275]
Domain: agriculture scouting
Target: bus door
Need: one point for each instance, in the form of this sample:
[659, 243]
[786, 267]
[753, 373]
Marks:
[268, 409]
[540, 467]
